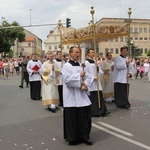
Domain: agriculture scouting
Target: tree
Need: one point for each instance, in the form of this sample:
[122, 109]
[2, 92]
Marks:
[9, 35]
[148, 52]
[134, 50]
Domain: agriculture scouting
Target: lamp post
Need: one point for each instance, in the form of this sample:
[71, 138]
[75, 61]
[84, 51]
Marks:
[95, 56]
[30, 16]
[129, 22]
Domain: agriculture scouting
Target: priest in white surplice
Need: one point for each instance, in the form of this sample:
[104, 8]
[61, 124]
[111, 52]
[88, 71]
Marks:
[59, 62]
[50, 73]
[107, 78]
[121, 76]
[77, 113]
[96, 110]
[34, 70]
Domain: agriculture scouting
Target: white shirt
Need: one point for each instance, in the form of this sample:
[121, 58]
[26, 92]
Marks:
[146, 67]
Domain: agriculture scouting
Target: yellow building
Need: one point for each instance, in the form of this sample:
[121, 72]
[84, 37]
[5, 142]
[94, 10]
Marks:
[53, 40]
[32, 44]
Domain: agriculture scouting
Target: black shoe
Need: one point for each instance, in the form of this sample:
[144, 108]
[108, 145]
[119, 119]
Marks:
[74, 142]
[127, 106]
[96, 115]
[53, 110]
[20, 86]
[39, 98]
[105, 114]
[87, 142]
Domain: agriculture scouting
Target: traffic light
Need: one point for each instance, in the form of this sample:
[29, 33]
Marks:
[68, 22]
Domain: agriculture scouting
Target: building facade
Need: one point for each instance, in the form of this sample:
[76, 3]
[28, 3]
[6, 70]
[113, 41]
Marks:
[32, 44]
[139, 35]
[53, 40]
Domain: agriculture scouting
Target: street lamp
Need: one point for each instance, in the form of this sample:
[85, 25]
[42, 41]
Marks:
[129, 22]
[30, 16]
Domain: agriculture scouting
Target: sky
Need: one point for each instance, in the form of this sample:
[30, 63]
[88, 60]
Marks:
[39, 12]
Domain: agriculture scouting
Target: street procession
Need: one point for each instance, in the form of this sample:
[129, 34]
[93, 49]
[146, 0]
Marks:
[87, 88]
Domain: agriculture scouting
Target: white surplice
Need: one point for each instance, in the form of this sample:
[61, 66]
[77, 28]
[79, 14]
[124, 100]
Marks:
[32, 76]
[120, 70]
[73, 96]
[91, 69]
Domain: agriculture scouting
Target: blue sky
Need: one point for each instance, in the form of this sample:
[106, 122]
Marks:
[50, 11]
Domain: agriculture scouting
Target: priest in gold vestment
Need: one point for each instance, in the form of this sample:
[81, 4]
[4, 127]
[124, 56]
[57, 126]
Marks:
[107, 79]
[50, 75]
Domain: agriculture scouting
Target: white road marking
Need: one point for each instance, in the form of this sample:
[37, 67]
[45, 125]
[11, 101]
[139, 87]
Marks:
[116, 129]
[122, 137]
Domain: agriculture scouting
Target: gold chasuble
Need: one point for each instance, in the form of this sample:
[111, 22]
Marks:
[50, 75]
[107, 80]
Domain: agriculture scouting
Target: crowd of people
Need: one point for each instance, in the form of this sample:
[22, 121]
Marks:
[81, 89]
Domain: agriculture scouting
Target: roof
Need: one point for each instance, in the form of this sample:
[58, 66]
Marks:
[29, 39]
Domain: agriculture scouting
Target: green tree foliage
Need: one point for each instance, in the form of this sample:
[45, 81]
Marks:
[134, 50]
[148, 52]
[9, 35]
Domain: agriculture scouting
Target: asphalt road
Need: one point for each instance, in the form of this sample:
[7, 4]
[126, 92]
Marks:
[25, 124]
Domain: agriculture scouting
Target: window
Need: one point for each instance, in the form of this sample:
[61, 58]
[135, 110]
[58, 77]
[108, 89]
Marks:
[29, 44]
[55, 47]
[131, 39]
[141, 50]
[145, 30]
[141, 38]
[121, 39]
[68, 46]
[140, 30]
[145, 50]
[112, 50]
[49, 47]
[55, 38]
[126, 39]
[131, 29]
[135, 30]
[117, 51]
[111, 40]
[116, 39]
[149, 30]
[145, 38]
[136, 38]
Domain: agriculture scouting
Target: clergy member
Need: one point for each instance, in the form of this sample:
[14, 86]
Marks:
[98, 107]
[107, 79]
[60, 85]
[122, 73]
[34, 70]
[77, 113]
[50, 73]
